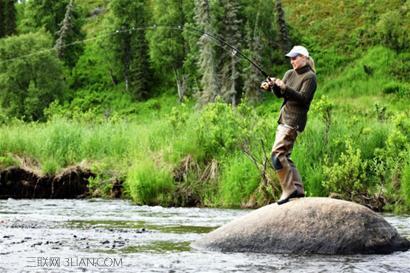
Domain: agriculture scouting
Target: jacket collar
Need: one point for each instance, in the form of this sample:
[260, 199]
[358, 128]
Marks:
[302, 70]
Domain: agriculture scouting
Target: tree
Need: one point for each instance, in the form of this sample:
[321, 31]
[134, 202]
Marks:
[252, 78]
[7, 17]
[260, 44]
[168, 47]
[130, 46]
[68, 44]
[47, 14]
[284, 39]
[231, 32]
[207, 63]
[31, 76]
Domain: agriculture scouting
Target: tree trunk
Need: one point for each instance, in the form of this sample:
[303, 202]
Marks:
[284, 38]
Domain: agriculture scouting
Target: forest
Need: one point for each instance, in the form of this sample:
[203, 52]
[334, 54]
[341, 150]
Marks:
[138, 94]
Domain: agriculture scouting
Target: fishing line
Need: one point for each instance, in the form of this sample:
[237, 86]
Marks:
[234, 51]
[71, 44]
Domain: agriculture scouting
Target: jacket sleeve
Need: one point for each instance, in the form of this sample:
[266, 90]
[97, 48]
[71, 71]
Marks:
[276, 89]
[305, 94]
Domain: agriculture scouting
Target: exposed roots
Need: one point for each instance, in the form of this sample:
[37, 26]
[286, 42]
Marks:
[21, 182]
[187, 164]
[211, 171]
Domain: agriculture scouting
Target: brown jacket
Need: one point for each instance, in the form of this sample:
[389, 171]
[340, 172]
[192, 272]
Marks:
[299, 91]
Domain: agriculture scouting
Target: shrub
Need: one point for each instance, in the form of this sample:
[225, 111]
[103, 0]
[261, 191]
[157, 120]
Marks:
[31, 77]
[405, 184]
[346, 177]
[393, 26]
[7, 161]
[398, 88]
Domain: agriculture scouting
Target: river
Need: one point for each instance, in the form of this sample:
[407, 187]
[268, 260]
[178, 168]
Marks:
[117, 236]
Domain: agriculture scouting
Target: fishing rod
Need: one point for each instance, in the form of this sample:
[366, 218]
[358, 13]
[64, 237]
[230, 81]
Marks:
[218, 39]
[235, 50]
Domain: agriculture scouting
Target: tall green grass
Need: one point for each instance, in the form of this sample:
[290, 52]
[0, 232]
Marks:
[149, 184]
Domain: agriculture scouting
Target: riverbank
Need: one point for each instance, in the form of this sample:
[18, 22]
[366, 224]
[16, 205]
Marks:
[218, 156]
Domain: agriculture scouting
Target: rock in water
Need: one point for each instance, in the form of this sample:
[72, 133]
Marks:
[307, 225]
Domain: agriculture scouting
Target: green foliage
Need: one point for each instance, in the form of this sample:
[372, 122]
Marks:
[94, 106]
[405, 183]
[355, 26]
[394, 26]
[207, 63]
[7, 18]
[397, 88]
[366, 76]
[400, 68]
[223, 129]
[170, 47]
[230, 68]
[47, 14]
[346, 177]
[167, 44]
[68, 44]
[102, 184]
[217, 128]
[7, 161]
[92, 71]
[239, 180]
[129, 45]
[30, 76]
[149, 184]
[324, 107]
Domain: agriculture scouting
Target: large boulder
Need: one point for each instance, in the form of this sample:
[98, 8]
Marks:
[307, 225]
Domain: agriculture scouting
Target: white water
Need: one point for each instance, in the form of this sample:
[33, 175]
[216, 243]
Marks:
[117, 236]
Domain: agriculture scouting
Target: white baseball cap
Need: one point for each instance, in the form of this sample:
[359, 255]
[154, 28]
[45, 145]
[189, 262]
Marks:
[298, 50]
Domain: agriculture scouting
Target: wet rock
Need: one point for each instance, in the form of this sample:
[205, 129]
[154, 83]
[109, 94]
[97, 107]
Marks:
[141, 230]
[307, 225]
[119, 243]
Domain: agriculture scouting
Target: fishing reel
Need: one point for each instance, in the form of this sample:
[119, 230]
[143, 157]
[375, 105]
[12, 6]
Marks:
[267, 84]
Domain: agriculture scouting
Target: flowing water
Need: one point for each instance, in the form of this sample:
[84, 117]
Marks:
[117, 236]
